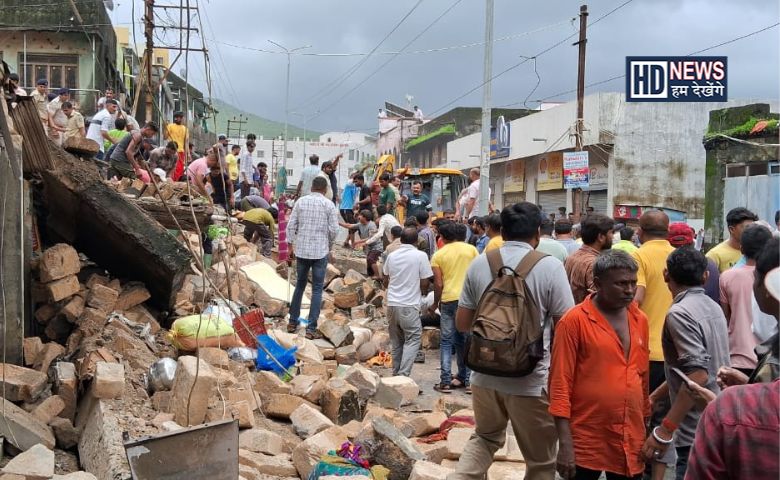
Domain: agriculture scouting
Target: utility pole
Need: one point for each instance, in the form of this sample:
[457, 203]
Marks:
[484, 170]
[580, 125]
[287, 99]
[148, 57]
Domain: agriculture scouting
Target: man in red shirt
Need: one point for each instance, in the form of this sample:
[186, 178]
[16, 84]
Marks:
[599, 377]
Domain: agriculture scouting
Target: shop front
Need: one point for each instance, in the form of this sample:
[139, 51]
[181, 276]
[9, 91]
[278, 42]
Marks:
[550, 194]
[514, 182]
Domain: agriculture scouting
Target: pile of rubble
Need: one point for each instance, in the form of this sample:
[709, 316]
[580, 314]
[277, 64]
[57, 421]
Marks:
[86, 382]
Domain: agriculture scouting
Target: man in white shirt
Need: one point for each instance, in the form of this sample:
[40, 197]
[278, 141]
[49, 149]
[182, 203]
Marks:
[307, 175]
[109, 95]
[386, 222]
[418, 114]
[311, 231]
[101, 124]
[407, 275]
[246, 169]
[472, 195]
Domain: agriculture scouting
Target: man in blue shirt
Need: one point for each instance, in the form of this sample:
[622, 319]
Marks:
[417, 202]
[348, 197]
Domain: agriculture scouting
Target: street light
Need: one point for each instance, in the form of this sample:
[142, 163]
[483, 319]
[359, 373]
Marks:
[287, 98]
[305, 119]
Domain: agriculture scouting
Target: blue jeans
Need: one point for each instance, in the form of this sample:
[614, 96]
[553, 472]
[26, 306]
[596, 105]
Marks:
[318, 268]
[450, 336]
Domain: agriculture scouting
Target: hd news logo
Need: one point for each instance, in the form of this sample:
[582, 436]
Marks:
[676, 79]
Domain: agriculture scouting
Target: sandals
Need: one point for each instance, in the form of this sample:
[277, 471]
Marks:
[314, 335]
[457, 383]
[292, 328]
[443, 388]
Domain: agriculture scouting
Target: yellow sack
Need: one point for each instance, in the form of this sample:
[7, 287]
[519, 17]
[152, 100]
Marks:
[214, 332]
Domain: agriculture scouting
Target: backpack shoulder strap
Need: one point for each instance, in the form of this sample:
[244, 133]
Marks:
[495, 261]
[528, 262]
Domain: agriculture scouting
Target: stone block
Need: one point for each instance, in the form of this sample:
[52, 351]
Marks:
[63, 288]
[109, 380]
[267, 383]
[45, 313]
[331, 273]
[456, 441]
[58, 262]
[363, 379]
[361, 312]
[182, 390]
[243, 411]
[375, 411]
[335, 285]
[132, 294]
[340, 402]
[161, 401]
[348, 297]
[307, 453]
[161, 418]
[308, 421]
[367, 351]
[352, 428]
[37, 463]
[170, 426]
[92, 321]
[309, 387]
[22, 430]
[319, 369]
[434, 452]
[31, 347]
[97, 279]
[326, 349]
[386, 445]
[139, 314]
[58, 329]
[423, 470]
[353, 277]
[21, 384]
[261, 441]
[216, 357]
[73, 309]
[431, 338]
[423, 424]
[506, 471]
[102, 298]
[337, 334]
[65, 434]
[48, 409]
[346, 355]
[280, 405]
[394, 392]
[100, 448]
[272, 465]
[75, 476]
[65, 386]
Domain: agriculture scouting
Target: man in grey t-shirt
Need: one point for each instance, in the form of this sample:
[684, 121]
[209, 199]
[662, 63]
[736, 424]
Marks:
[695, 340]
[523, 400]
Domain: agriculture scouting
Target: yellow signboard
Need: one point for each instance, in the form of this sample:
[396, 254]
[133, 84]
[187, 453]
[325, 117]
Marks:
[514, 176]
[549, 172]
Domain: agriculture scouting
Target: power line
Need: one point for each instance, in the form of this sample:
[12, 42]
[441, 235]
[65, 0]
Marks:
[361, 83]
[343, 77]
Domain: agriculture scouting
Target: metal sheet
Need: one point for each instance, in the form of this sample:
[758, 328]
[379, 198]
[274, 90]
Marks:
[202, 452]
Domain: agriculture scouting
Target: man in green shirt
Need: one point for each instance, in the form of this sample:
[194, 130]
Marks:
[387, 195]
[259, 227]
[624, 241]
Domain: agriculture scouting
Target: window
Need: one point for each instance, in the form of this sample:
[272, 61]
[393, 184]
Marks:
[159, 60]
[261, 154]
[289, 154]
[289, 172]
[351, 155]
[60, 70]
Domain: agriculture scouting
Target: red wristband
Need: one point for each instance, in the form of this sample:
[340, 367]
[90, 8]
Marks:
[669, 425]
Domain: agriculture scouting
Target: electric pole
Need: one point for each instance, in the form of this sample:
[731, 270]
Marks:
[240, 128]
[148, 56]
[487, 87]
[580, 125]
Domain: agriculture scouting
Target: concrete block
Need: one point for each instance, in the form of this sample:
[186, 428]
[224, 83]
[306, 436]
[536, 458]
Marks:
[340, 402]
[307, 453]
[109, 380]
[365, 380]
[394, 392]
[261, 441]
[183, 383]
[37, 463]
[21, 384]
[308, 421]
[58, 262]
[423, 470]
[63, 288]
[102, 298]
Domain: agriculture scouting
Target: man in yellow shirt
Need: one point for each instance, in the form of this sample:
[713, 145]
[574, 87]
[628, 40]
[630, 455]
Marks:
[493, 225]
[449, 265]
[259, 227]
[232, 162]
[178, 133]
[654, 298]
[727, 253]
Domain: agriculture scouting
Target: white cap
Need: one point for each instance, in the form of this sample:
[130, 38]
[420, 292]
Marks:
[160, 173]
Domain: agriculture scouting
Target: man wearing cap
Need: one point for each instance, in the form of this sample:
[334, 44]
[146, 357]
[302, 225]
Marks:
[178, 133]
[40, 100]
[680, 235]
[100, 125]
[57, 119]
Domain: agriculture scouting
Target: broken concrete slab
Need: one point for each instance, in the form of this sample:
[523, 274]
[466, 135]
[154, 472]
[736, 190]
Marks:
[307, 453]
[308, 421]
[22, 430]
[20, 384]
[191, 390]
[37, 463]
[394, 392]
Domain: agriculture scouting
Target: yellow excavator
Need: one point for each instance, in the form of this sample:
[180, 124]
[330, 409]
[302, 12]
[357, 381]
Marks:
[441, 185]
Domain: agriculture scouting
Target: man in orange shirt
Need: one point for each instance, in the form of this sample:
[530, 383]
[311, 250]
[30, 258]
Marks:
[599, 377]
[178, 133]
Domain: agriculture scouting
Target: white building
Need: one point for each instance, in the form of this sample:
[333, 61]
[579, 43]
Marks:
[357, 148]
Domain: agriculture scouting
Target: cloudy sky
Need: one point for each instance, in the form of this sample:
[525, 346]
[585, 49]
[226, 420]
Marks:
[348, 90]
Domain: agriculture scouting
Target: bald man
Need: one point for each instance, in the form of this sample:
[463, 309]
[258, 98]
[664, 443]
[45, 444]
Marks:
[654, 299]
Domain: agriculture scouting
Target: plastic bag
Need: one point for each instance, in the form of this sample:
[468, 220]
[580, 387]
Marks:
[214, 332]
[161, 374]
[267, 348]
[242, 354]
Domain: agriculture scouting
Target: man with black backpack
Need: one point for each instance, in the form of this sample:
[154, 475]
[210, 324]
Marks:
[509, 304]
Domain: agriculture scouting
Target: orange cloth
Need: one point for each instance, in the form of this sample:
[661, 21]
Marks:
[604, 396]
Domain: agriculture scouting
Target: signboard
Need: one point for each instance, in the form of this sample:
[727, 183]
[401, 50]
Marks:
[576, 170]
[676, 79]
[599, 175]
[514, 176]
[627, 212]
[499, 139]
[549, 172]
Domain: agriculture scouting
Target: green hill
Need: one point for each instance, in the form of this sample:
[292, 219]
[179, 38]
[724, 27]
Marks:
[255, 124]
